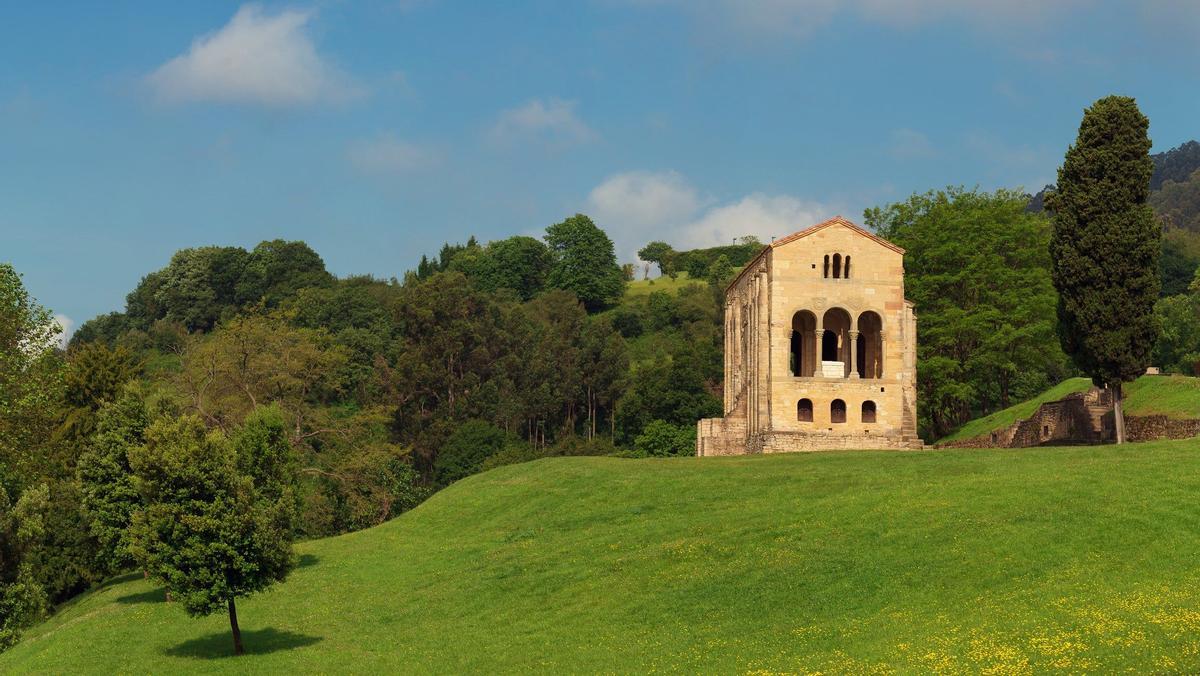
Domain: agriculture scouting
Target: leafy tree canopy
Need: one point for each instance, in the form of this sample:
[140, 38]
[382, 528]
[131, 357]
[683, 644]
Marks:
[977, 269]
[208, 532]
[1176, 164]
[584, 262]
[1105, 247]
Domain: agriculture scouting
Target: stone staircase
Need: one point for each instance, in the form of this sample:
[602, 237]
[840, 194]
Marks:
[1099, 405]
[908, 428]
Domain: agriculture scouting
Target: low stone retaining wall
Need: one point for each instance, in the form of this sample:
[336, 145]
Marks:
[1023, 433]
[1151, 427]
[792, 442]
[721, 436]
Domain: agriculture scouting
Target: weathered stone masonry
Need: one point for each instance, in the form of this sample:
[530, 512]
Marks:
[1079, 418]
[820, 348]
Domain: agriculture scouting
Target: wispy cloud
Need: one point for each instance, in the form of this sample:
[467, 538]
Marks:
[1011, 163]
[550, 122]
[387, 154]
[753, 20]
[257, 58]
[909, 144]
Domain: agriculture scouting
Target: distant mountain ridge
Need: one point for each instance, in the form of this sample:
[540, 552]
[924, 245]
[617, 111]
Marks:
[1176, 164]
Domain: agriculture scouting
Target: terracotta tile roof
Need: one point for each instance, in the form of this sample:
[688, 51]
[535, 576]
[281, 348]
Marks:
[836, 220]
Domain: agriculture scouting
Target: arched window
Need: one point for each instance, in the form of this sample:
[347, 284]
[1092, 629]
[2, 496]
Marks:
[835, 341]
[868, 412]
[804, 340]
[870, 345]
[827, 266]
[846, 268]
[837, 266]
[804, 410]
[837, 411]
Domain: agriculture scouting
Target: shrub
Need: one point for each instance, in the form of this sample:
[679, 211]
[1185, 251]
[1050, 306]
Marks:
[465, 451]
[661, 438]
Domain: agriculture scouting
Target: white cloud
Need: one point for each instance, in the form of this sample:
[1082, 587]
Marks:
[387, 154]
[256, 58]
[551, 122]
[66, 328]
[637, 207]
[764, 216]
[638, 199]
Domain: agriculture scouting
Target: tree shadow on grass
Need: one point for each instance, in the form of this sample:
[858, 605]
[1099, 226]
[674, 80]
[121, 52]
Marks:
[307, 560]
[256, 642]
[156, 595]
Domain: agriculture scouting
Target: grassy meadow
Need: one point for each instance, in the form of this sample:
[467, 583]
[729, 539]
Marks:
[644, 287]
[951, 561]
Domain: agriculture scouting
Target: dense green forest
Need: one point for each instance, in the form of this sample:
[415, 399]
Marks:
[378, 392]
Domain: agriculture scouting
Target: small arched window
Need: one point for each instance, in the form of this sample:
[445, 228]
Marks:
[837, 411]
[826, 266]
[837, 266]
[846, 268]
[868, 412]
[804, 410]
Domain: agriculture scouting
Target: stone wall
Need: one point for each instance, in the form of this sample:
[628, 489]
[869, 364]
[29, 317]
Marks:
[1082, 418]
[1151, 427]
[721, 436]
[792, 442]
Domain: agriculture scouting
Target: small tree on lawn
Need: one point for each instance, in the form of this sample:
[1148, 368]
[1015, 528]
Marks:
[1105, 247]
[207, 531]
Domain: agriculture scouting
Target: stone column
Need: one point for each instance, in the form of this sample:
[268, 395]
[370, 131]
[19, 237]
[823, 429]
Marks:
[882, 356]
[853, 354]
[810, 341]
[818, 334]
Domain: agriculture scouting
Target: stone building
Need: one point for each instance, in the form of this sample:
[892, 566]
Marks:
[820, 348]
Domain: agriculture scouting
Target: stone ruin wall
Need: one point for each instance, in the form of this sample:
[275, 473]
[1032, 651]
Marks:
[1082, 418]
[721, 436]
[1152, 427]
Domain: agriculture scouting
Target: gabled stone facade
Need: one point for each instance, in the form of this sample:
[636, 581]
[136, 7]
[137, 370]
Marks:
[820, 348]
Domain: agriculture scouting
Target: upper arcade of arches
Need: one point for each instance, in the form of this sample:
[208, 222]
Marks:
[837, 344]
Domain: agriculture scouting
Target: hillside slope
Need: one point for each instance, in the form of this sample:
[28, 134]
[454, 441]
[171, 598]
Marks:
[1172, 396]
[1071, 558]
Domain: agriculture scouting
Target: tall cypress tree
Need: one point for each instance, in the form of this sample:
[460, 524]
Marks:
[1105, 248]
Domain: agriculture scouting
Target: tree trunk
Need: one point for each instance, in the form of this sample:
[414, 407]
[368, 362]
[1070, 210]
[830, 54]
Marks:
[1118, 414]
[237, 633]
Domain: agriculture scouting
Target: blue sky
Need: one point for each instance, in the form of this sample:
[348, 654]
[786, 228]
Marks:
[377, 130]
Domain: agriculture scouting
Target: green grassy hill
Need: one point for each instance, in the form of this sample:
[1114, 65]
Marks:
[644, 287]
[1172, 396]
[962, 560]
